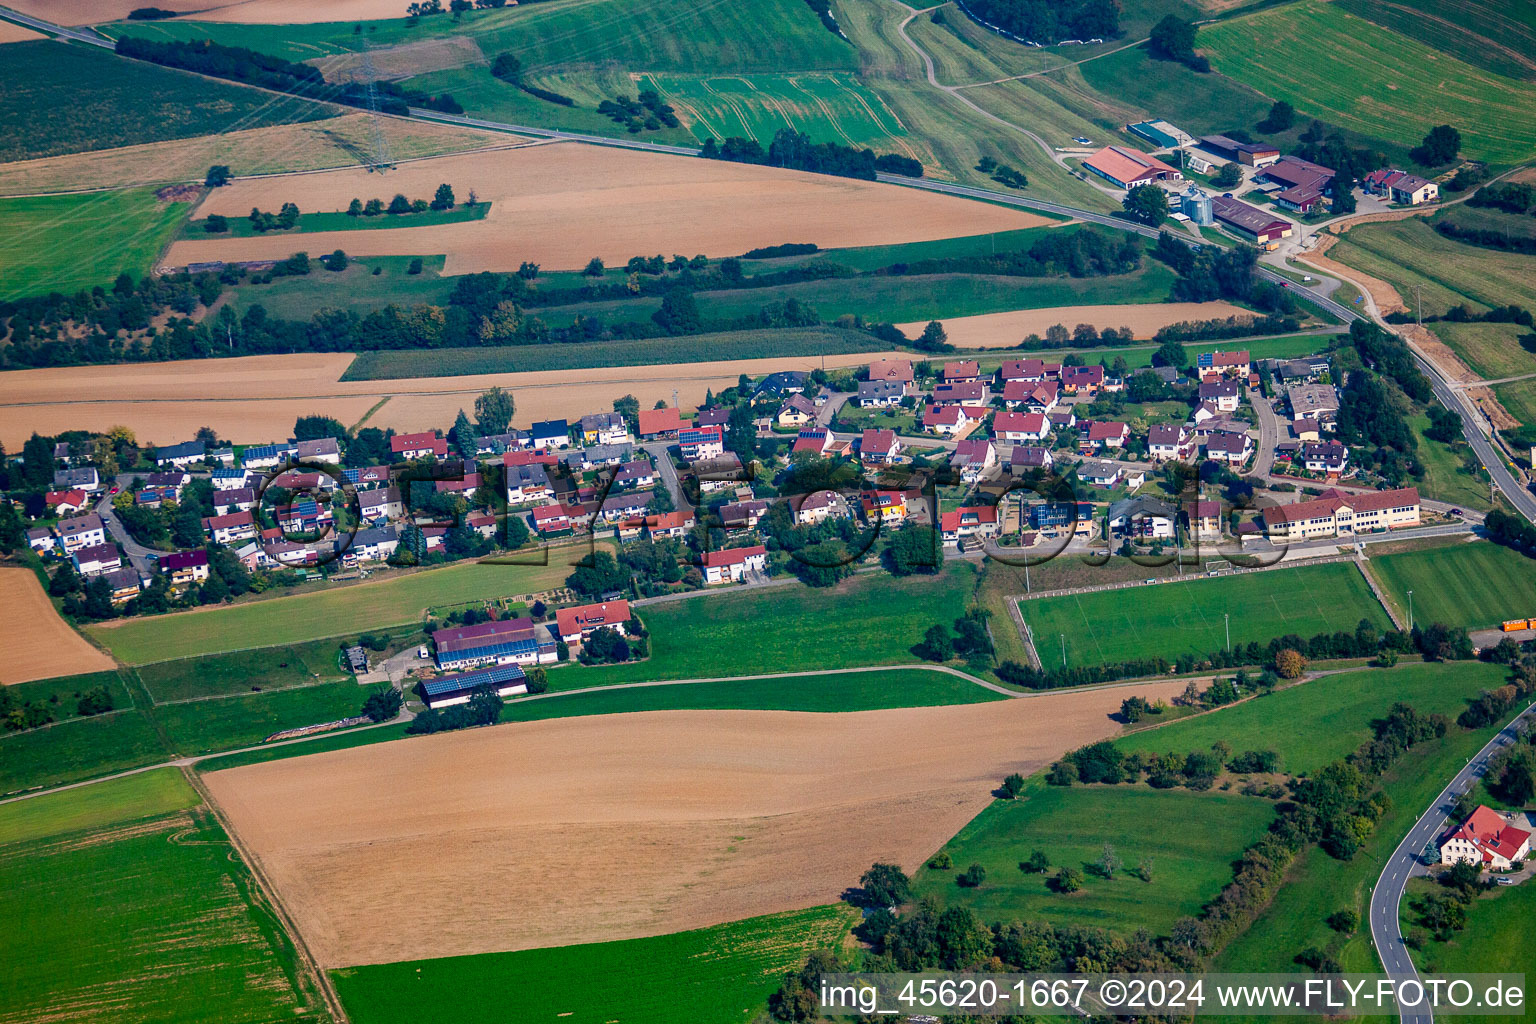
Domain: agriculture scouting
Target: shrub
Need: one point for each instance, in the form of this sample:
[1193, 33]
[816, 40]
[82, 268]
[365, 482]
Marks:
[971, 877]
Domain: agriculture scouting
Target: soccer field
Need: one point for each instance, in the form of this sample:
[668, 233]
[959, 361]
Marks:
[1169, 619]
[1474, 585]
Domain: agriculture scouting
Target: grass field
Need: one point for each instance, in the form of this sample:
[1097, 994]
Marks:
[763, 344]
[830, 107]
[1518, 227]
[1116, 625]
[61, 694]
[364, 606]
[1496, 35]
[221, 675]
[689, 36]
[357, 288]
[124, 903]
[1493, 350]
[855, 691]
[1319, 721]
[1335, 65]
[1444, 479]
[1317, 885]
[1409, 253]
[68, 242]
[872, 619]
[1192, 859]
[1477, 585]
[201, 727]
[1519, 398]
[1495, 940]
[712, 975]
[79, 749]
[69, 98]
[241, 227]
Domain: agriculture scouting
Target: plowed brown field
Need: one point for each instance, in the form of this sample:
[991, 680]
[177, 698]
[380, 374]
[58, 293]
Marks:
[39, 644]
[562, 204]
[618, 826]
[257, 398]
[1002, 330]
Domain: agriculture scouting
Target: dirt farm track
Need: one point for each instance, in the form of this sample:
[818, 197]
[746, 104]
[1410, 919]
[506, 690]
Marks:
[39, 645]
[560, 204]
[253, 399]
[626, 825]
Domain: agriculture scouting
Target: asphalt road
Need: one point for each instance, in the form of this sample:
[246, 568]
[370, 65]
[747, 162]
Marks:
[74, 34]
[1386, 930]
[143, 558]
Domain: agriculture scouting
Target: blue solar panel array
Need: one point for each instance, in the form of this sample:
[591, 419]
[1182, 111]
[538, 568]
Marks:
[508, 649]
[497, 676]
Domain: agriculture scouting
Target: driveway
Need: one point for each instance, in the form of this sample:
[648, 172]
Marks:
[143, 558]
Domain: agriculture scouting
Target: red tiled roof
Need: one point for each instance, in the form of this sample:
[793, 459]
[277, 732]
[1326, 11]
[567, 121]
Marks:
[660, 421]
[586, 617]
[731, 556]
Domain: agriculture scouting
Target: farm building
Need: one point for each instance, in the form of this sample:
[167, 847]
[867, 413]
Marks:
[1160, 134]
[1249, 222]
[1293, 172]
[506, 680]
[507, 641]
[1126, 168]
[1253, 154]
[1196, 205]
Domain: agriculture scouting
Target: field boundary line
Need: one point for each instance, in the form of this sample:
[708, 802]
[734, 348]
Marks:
[306, 957]
[244, 693]
[1380, 595]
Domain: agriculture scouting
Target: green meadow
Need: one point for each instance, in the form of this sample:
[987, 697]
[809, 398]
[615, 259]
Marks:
[1477, 585]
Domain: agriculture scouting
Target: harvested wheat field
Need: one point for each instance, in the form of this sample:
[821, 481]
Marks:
[1003, 330]
[313, 145]
[392, 63]
[562, 204]
[256, 398]
[41, 645]
[10, 32]
[625, 825]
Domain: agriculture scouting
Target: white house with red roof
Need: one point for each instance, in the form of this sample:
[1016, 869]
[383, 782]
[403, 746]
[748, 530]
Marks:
[963, 371]
[576, 624]
[1487, 838]
[1093, 435]
[418, 446]
[1167, 442]
[879, 446]
[1030, 370]
[1215, 365]
[1085, 379]
[898, 370]
[948, 420]
[731, 564]
[67, 503]
[701, 442]
[964, 393]
[549, 519]
[968, 521]
[1016, 427]
[665, 422]
[817, 441]
[972, 458]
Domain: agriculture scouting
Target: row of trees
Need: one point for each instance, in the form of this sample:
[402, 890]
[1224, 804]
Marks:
[794, 149]
[1047, 22]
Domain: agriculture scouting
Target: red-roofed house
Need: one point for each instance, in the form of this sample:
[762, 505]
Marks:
[1334, 513]
[1033, 370]
[898, 370]
[963, 371]
[732, 564]
[660, 422]
[551, 519]
[1087, 379]
[884, 506]
[951, 419]
[968, 521]
[1127, 168]
[1014, 427]
[1093, 435]
[576, 624]
[970, 393]
[812, 441]
[67, 503]
[972, 458]
[1040, 397]
[235, 526]
[1486, 838]
[418, 446]
[879, 446]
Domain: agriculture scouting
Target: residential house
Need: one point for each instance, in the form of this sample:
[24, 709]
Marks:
[418, 446]
[780, 384]
[948, 420]
[1336, 514]
[229, 528]
[669, 524]
[1203, 519]
[81, 532]
[972, 459]
[879, 447]
[1412, 190]
[184, 454]
[266, 456]
[302, 517]
[969, 393]
[577, 623]
[1143, 517]
[632, 475]
[888, 508]
[1488, 839]
[624, 505]
[96, 559]
[1062, 419]
[964, 371]
[40, 539]
[66, 503]
[380, 503]
[498, 444]
[83, 478]
[1026, 457]
[1318, 402]
[1015, 427]
[1170, 442]
[1099, 474]
[184, 567]
[1086, 380]
[1057, 517]
[732, 564]
[796, 411]
[227, 478]
[968, 521]
[1042, 397]
[233, 500]
[1031, 371]
[604, 428]
[664, 422]
[1306, 429]
[1326, 457]
[319, 449]
[596, 455]
[898, 370]
[499, 642]
[125, 584]
[718, 417]
[742, 515]
[1097, 435]
[701, 442]
[1229, 446]
[880, 394]
[374, 544]
[548, 519]
[816, 441]
[818, 506]
[550, 434]
[1216, 365]
[1226, 395]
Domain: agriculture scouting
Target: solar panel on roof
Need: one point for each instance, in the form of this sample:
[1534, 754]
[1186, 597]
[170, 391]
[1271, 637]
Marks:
[496, 675]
